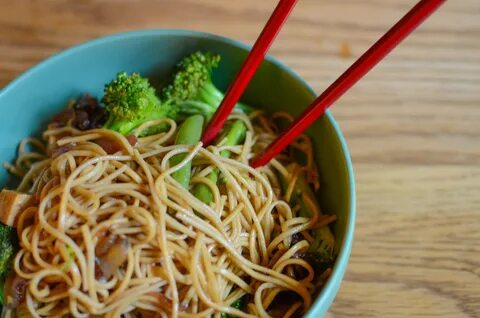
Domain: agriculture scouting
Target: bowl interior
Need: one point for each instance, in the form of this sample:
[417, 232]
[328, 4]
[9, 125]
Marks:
[27, 103]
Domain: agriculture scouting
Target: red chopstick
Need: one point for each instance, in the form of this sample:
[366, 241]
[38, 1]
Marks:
[355, 72]
[256, 56]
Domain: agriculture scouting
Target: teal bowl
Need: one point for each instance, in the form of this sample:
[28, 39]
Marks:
[30, 100]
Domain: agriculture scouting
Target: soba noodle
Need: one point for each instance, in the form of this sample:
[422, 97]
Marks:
[182, 258]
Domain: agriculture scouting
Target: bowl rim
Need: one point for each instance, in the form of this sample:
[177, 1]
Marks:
[329, 291]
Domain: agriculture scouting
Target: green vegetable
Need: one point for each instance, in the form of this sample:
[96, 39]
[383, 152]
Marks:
[130, 100]
[237, 304]
[189, 133]
[194, 76]
[71, 257]
[324, 241]
[192, 80]
[233, 135]
[321, 252]
[202, 192]
[8, 249]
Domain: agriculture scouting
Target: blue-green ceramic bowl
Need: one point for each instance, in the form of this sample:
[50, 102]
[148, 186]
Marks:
[30, 100]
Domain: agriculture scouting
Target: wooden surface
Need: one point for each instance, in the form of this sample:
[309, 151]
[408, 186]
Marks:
[412, 125]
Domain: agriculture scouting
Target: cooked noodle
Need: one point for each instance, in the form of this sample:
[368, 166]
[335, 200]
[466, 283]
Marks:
[182, 257]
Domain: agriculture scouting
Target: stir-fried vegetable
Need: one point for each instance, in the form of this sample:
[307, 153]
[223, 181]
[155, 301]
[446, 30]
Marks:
[8, 248]
[321, 251]
[130, 100]
[237, 304]
[233, 135]
[193, 77]
[189, 133]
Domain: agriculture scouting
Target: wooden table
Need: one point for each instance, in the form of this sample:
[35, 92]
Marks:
[412, 125]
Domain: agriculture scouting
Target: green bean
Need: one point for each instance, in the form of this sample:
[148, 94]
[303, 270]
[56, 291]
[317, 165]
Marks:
[202, 192]
[234, 135]
[189, 133]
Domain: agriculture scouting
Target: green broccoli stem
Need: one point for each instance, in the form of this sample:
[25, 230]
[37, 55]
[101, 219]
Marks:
[189, 133]
[233, 135]
[211, 95]
[122, 126]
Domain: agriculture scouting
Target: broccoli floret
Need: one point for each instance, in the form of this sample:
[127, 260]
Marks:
[192, 75]
[8, 249]
[130, 100]
[192, 83]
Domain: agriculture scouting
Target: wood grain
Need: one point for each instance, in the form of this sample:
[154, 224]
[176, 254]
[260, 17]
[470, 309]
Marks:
[412, 125]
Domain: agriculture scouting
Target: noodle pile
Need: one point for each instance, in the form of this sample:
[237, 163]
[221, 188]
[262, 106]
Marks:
[182, 258]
